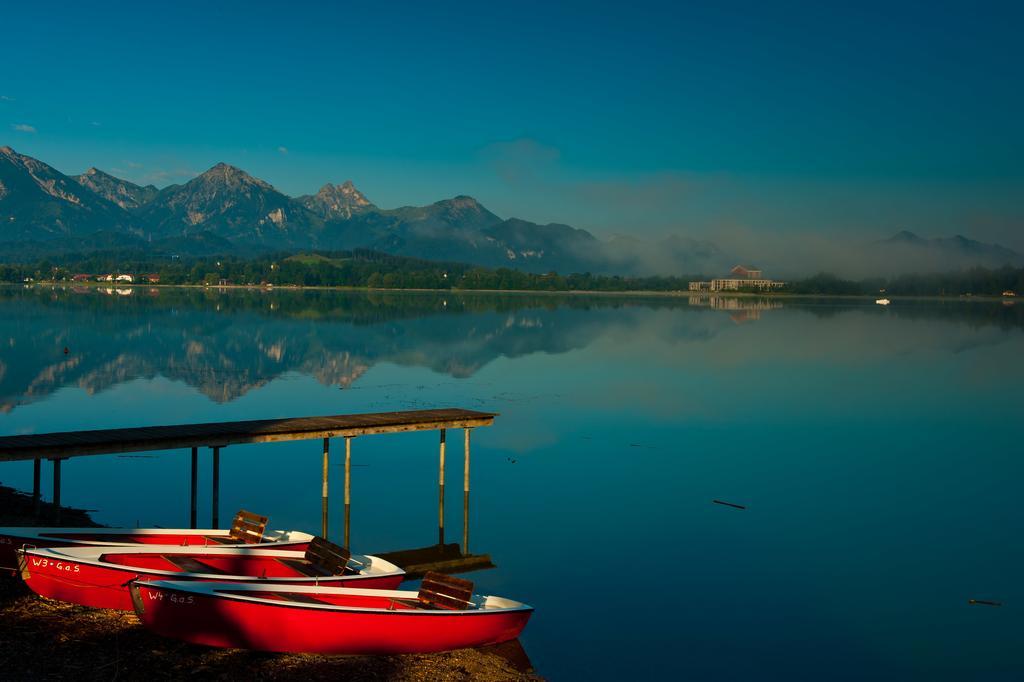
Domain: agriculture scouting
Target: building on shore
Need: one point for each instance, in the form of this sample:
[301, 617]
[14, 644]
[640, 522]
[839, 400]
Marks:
[741, 277]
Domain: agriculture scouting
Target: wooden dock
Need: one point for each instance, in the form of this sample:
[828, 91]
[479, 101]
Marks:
[59, 446]
[67, 444]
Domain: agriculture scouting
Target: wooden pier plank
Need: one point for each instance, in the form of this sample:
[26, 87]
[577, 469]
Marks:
[220, 434]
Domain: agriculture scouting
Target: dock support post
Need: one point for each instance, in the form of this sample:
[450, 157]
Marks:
[348, 486]
[465, 498]
[36, 479]
[440, 498]
[195, 482]
[215, 494]
[56, 490]
[323, 510]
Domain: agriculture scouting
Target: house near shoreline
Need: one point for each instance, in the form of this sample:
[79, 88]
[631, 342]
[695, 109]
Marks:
[124, 277]
[740, 278]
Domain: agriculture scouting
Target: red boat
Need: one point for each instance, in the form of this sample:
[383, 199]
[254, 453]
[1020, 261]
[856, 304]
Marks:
[246, 529]
[99, 576]
[443, 615]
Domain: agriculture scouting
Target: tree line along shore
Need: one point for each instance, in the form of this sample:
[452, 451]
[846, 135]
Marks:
[369, 269]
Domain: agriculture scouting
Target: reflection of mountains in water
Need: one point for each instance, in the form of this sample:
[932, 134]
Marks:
[225, 343]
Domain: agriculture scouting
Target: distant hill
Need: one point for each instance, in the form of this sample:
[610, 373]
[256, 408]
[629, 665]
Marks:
[229, 203]
[337, 202]
[226, 210]
[906, 251]
[125, 194]
[39, 203]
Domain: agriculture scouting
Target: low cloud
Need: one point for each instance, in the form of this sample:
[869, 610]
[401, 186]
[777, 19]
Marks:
[5, 98]
[646, 201]
[282, 150]
[23, 128]
[703, 221]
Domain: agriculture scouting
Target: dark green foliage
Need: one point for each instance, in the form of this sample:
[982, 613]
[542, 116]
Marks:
[356, 268]
[975, 281]
[827, 284]
[364, 268]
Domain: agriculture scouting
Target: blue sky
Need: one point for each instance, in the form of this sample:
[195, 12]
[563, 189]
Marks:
[740, 117]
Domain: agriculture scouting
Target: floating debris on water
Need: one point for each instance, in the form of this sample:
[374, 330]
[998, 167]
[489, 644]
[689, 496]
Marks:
[984, 602]
[729, 504]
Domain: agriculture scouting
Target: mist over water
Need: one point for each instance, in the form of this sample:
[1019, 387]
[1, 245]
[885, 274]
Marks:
[796, 254]
[873, 448]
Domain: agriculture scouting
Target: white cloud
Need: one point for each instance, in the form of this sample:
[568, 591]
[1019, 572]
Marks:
[283, 150]
[23, 127]
[95, 124]
[5, 98]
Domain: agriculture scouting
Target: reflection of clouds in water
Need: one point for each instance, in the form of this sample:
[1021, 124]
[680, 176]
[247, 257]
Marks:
[521, 441]
[853, 336]
[648, 397]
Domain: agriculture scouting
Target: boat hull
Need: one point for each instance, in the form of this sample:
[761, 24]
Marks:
[213, 620]
[106, 586]
[13, 539]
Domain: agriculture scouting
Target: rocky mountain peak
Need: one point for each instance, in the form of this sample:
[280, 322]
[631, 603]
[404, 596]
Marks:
[230, 176]
[19, 159]
[125, 194]
[40, 201]
[224, 170]
[346, 189]
[464, 208]
[333, 202]
[463, 201]
[906, 236]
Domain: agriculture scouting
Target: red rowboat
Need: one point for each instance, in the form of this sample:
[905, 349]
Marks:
[99, 576]
[246, 529]
[324, 620]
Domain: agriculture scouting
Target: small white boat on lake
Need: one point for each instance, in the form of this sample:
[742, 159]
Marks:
[882, 301]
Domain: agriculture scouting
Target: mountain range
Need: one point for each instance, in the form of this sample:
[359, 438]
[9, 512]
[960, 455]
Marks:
[227, 211]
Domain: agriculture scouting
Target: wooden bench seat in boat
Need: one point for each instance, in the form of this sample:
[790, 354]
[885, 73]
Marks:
[246, 529]
[321, 560]
[441, 592]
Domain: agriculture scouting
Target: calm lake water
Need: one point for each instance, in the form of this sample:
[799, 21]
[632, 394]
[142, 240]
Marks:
[877, 450]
